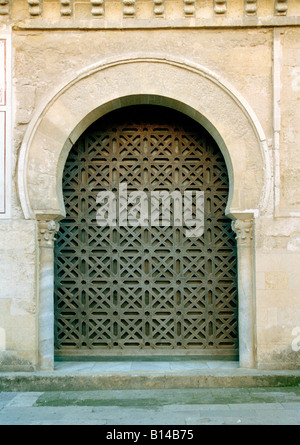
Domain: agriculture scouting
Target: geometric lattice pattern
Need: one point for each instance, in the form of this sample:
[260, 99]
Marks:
[151, 289]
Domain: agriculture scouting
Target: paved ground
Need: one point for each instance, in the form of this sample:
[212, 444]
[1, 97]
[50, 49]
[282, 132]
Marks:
[215, 406]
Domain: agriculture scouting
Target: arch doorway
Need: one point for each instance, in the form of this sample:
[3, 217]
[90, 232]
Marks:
[145, 289]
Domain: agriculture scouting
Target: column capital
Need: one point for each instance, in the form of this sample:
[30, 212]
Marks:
[243, 229]
[46, 232]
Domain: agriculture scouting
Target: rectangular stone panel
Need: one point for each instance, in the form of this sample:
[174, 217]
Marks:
[5, 110]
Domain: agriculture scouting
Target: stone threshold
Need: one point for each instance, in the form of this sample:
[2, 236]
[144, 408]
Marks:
[144, 365]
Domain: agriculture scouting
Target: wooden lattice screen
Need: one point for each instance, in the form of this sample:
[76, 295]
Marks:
[144, 290]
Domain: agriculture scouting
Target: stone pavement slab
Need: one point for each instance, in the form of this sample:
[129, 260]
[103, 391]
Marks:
[202, 406]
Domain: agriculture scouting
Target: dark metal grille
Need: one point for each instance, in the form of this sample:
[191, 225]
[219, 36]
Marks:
[144, 290]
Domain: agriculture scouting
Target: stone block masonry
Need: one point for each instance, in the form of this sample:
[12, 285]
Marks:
[232, 66]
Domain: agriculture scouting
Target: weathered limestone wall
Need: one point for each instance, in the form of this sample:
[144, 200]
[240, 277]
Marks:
[278, 237]
[277, 292]
[18, 302]
[50, 46]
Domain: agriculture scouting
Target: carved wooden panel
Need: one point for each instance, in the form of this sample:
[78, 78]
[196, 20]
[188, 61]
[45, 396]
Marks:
[147, 289]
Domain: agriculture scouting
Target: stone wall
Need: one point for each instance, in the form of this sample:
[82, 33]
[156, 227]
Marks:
[66, 64]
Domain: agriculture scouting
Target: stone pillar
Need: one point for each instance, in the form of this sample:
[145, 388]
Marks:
[46, 237]
[243, 230]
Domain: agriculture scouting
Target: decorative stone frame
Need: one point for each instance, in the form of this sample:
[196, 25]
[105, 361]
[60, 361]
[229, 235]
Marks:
[136, 79]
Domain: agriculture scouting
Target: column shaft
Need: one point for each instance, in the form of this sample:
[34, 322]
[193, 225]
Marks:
[47, 230]
[243, 229]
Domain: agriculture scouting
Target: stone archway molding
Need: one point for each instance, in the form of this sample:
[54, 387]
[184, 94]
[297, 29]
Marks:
[137, 79]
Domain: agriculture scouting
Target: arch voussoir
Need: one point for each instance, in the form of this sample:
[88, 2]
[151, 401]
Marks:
[98, 89]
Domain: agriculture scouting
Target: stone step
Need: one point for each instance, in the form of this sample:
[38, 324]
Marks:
[120, 380]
